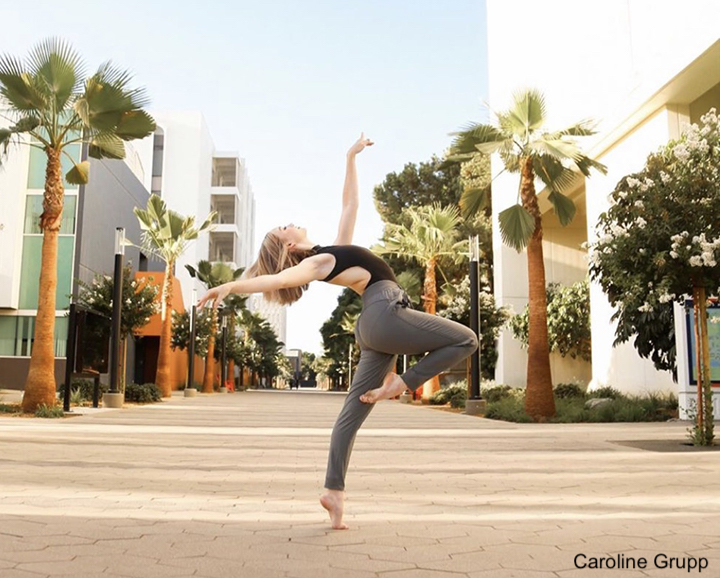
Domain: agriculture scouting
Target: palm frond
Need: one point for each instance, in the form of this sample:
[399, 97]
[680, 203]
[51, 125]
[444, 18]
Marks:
[16, 86]
[56, 68]
[564, 207]
[529, 108]
[517, 225]
[560, 149]
[553, 173]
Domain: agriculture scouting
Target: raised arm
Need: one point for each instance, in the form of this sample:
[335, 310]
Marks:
[296, 276]
[350, 194]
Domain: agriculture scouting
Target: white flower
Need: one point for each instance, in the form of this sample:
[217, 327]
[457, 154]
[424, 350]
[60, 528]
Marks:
[640, 222]
[674, 255]
[639, 204]
[664, 177]
[696, 261]
[681, 152]
[645, 307]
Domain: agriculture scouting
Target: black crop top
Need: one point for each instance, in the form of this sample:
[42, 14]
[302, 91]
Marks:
[347, 256]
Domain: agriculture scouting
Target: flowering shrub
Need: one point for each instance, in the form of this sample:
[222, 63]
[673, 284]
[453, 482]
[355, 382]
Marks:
[456, 302]
[139, 299]
[660, 240]
[568, 320]
[181, 331]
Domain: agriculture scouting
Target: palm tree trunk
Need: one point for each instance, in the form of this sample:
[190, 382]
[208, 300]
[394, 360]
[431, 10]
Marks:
[429, 302]
[539, 400]
[163, 376]
[208, 376]
[40, 383]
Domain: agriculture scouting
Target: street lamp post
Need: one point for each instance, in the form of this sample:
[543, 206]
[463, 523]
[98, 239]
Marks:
[223, 354]
[113, 398]
[475, 404]
[190, 390]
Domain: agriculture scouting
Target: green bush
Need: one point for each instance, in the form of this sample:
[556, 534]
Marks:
[496, 393]
[509, 408]
[82, 390]
[9, 408]
[145, 393]
[454, 391]
[605, 391]
[650, 407]
[565, 390]
[49, 411]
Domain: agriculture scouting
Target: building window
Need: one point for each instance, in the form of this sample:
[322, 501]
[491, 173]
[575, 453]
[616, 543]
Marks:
[18, 332]
[224, 172]
[38, 166]
[32, 253]
[157, 165]
[33, 210]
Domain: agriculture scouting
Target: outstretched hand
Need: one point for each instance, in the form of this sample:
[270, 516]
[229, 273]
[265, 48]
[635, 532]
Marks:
[360, 144]
[216, 294]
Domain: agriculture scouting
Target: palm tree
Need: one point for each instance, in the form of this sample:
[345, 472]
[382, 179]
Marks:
[52, 105]
[554, 158]
[212, 275]
[166, 235]
[250, 323]
[430, 238]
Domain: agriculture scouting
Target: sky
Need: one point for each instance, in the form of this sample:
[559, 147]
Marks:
[290, 85]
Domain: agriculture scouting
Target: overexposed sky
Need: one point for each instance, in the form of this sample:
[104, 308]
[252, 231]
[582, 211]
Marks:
[290, 85]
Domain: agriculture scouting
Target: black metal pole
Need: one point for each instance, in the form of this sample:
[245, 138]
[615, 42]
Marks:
[474, 317]
[117, 310]
[191, 344]
[223, 354]
[70, 354]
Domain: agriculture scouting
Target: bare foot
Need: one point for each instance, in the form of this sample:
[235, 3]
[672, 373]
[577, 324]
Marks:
[332, 501]
[392, 386]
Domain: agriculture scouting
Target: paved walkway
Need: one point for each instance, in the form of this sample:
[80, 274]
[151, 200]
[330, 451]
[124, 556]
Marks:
[226, 486]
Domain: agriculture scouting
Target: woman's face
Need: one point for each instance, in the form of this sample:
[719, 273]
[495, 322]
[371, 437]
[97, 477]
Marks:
[290, 234]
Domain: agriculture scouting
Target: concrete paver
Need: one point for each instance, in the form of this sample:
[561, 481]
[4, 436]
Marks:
[226, 486]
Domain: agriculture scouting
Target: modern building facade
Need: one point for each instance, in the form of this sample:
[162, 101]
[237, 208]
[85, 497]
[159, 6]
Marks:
[630, 65]
[180, 164]
[86, 247]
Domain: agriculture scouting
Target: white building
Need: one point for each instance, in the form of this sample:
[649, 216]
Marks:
[643, 70]
[194, 179]
[274, 313]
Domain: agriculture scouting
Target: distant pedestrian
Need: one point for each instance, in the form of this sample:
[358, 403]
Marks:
[288, 261]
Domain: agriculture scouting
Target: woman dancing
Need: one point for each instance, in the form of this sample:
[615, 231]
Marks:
[288, 261]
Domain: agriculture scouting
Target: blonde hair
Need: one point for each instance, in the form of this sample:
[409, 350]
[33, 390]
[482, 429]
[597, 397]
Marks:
[275, 256]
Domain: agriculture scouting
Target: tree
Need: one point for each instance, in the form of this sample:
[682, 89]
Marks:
[166, 235]
[52, 105]
[181, 331]
[435, 181]
[551, 157]
[456, 299]
[431, 238]
[336, 340]
[660, 241]
[139, 303]
[212, 275]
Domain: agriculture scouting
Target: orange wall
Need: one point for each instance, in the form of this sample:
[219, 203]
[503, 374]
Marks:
[178, 358]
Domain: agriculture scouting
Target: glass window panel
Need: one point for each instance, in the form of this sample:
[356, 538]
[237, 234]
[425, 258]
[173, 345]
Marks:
[7, 335]
[30, 276]
[18, 332]
[38, 165]
[33, 210]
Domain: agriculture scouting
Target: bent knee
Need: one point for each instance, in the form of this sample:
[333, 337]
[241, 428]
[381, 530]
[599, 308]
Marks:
[470, 342]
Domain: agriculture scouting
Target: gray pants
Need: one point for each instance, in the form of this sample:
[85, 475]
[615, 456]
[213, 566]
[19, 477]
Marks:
[388, 327]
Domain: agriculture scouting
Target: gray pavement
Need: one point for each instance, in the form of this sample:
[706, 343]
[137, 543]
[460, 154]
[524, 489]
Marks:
[226, 486]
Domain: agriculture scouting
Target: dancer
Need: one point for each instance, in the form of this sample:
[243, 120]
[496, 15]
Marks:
[288, 261]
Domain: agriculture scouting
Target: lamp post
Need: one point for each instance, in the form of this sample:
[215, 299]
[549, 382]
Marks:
[223, 352]
[113, 398]
[475, 404]
[350, 352]
[190, 390]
